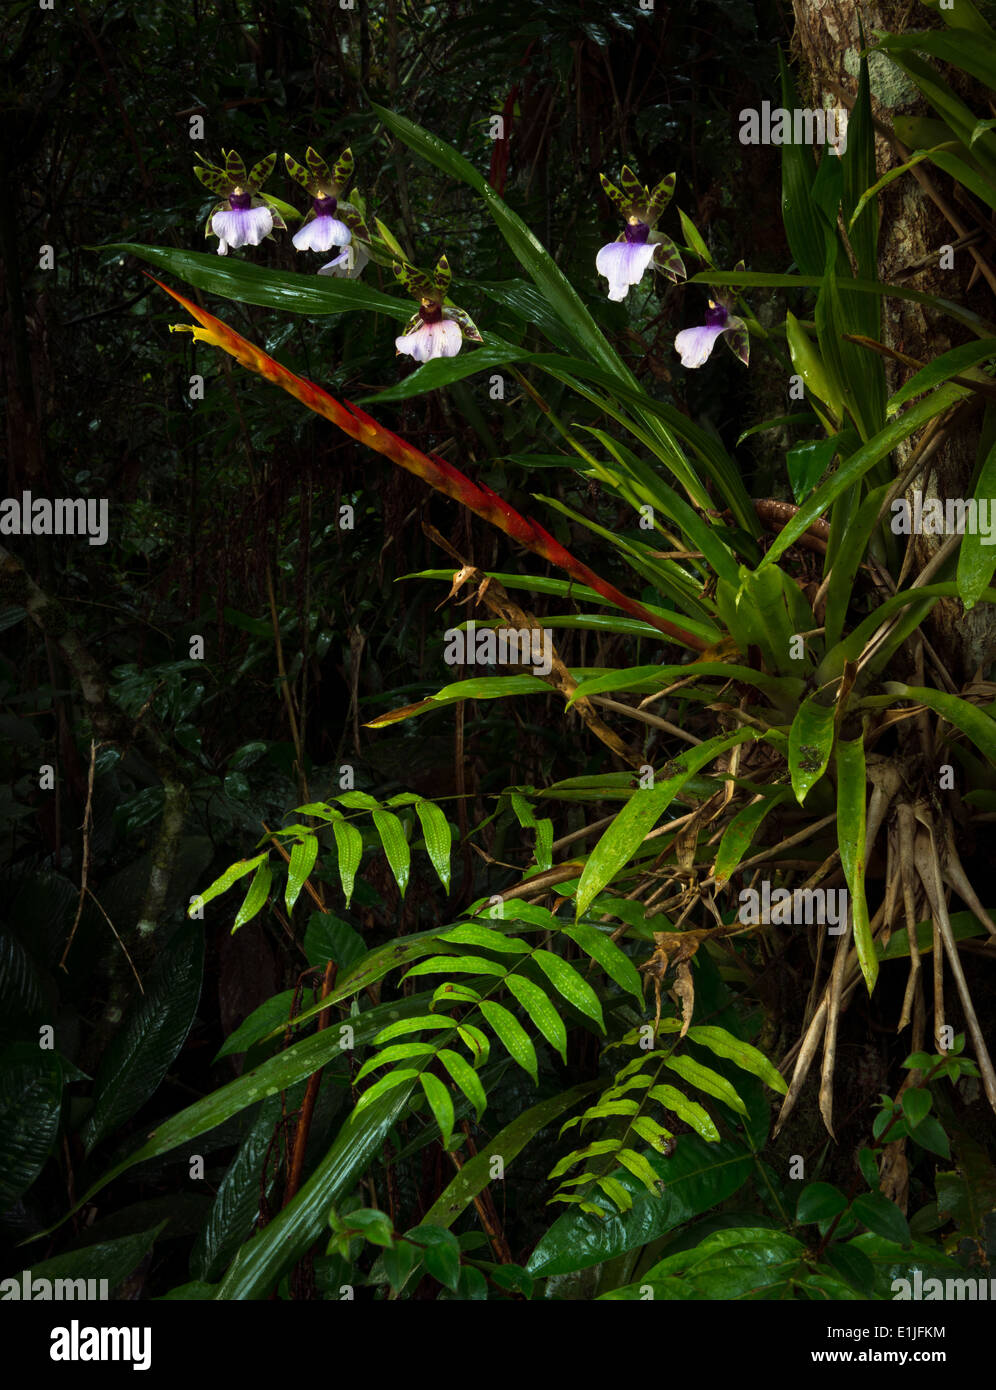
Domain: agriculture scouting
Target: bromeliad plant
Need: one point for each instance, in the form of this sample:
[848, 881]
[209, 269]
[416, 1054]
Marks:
[782, 733]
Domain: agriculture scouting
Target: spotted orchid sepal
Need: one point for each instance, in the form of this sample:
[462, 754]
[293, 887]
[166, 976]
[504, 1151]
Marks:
[437, 328]
[624, 261]
[330, 223]
[244, 216]
[694, 345]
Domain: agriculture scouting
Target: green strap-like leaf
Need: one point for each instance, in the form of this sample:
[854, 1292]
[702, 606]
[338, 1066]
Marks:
[466, 1078]
[412, 1025]
[395, 1053]
[302, 861]
[705, 1079]
[688, 1110]
[639, 1167]
[387, 1083]
[569, 983]
[738, 837]
[515, 1038]
[460, 965]
[616, 964]
[256, 897]
[392, 837]
[349, 844]
[473, 934]
[977, 556]
[746, 1057]
[225, 881]
[542, 1012]
[810, 745]
[851, 794]
[441, 1104]
[438, 838]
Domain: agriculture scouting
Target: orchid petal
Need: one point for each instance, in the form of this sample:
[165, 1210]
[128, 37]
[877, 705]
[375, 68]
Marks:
[321, 234]
[623, 264]
[695, 344]
[440, 339]
[242, 226]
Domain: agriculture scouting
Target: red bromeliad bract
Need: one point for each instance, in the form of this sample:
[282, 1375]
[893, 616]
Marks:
[432, 469]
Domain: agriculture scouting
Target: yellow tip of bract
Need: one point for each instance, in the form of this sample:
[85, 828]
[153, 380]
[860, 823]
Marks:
[200, 334]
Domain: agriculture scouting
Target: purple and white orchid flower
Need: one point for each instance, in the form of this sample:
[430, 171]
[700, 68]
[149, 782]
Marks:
[694, 345]
[437, 329]
[331, 223]
[624, 261]
[244, 216]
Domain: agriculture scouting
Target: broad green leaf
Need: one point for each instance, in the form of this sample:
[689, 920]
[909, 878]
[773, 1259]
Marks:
[515, 1038]
[112, 1260]
[688, 1110]
[466, 1078]
[412, 1025]
[810, 745]
[349, 844]
[395, 1053]
[705, 1079]
[149, 1037]
[807, 462]
[542, 1012]
[461, 965]
[819, 1202]
[639, 1167]
[387, 1083]
[30, 1105]
[916, 1102]
[441, 1104]
[616, 1193]
[654, 1134]
[472, 934]
[592, 1150]
[477, 1043]
[810, 366]
[328, 937]
[569, 983]
[236, 1203]
[616, 964]
[441, 1255]
[851, 795]
[882, 1216]
[225, 881]
[745, 1056]
[438, 838]
[392, 837]
[255, 899]
[302, 861]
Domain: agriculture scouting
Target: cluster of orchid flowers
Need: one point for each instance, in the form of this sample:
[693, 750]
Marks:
[245, 216]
